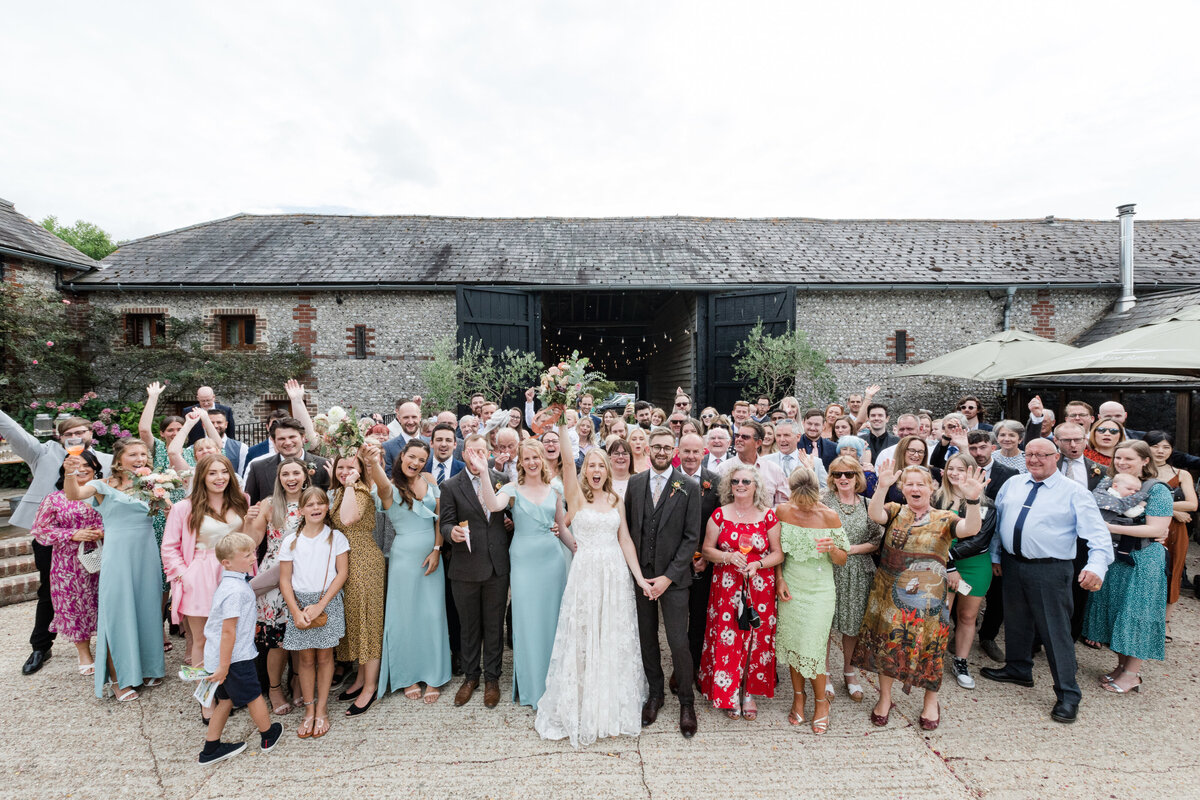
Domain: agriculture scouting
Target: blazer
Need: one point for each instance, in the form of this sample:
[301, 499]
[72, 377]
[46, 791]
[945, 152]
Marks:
[998, 475]
[44, 460]
[675, 520]
[488, 554]
[260, 475]
[826, 449]
[710, 498]
[456, 467]
[197, 432]
[178, 550]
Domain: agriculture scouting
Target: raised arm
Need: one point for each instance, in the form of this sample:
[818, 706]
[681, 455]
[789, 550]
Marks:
[146, 421]
[572, 492]
[295, 393]
[887, 477]
[175, 448]
[564, 532]
[491, 501]
[383, 484]
[71, 488]
[972, 488]
[860, 419]
[23, 443]
[209, 429]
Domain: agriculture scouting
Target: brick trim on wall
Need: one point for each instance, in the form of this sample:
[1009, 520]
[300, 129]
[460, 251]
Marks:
[910, 347]
[370, 337]
[1042, 311]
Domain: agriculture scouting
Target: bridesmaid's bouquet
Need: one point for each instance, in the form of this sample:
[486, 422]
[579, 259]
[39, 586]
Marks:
[341, 432]
[561, 386]
[154, 488]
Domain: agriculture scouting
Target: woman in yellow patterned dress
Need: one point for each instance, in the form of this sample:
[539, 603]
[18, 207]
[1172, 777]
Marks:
[907, 623]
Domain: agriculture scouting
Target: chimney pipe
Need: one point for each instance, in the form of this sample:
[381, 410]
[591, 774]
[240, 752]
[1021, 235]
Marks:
[1126, 301]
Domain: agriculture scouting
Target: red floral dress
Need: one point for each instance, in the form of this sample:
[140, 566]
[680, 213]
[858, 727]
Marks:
[729, 652]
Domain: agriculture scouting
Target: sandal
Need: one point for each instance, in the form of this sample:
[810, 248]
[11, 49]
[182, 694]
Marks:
[1091, 644]
[413, 692]
[432, 693]
[829, 692]
[167, 646]
[318, 730]
[1169, 639]
[1115, 688]
[128, 697]
[852, 688]
[87, 669]
[284, 708]
[732, 713]
[306, 728]
[797, 719]
[749, 708]
[150, 683]
[820, 724]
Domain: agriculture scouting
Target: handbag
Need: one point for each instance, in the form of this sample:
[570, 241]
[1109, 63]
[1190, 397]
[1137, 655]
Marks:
[748, 619]
[321, 618]
[90, 559]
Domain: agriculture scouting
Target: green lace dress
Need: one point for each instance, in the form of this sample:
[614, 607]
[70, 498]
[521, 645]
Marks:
[805, 620]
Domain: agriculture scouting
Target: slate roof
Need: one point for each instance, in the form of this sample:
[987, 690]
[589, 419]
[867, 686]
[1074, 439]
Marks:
[314, 250]
[1149, 308]
[20, 234]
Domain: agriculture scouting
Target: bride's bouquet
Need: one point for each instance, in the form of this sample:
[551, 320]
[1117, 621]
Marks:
[154, 488]
[561, 386]
[341, 432]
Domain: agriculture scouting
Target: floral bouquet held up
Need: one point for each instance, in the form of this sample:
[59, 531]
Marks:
[561, 386]
[341, 432]
[154, 488]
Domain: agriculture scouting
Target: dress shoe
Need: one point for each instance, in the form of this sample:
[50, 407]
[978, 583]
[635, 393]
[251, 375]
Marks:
[687, 721]
[650, 710]
[491, 693]
[1064, 712]
[673, 685]
[992, 650]
[35, 661]
[1002, 675]
[455, 664]
[463, 696]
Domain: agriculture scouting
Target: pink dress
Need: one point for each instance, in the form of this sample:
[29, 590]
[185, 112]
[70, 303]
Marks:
[73, 590]
[190, 561]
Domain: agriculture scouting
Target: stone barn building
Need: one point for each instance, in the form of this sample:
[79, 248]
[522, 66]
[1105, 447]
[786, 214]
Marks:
[660, 302]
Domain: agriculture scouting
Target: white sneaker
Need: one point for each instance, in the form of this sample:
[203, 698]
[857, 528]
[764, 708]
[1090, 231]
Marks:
[961, 674]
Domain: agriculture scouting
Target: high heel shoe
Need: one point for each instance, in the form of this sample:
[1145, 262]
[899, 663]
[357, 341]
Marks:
[355, 710]
[820, 724]
[1115, 689]
[798, 719]
[881, 720]
[348, 695]
[852, 688]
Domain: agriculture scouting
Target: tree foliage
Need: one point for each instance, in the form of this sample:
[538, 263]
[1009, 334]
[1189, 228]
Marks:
[781, 365]
[86, 237]
[450, 379]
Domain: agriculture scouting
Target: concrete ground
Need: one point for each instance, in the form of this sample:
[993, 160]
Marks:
[995, 742]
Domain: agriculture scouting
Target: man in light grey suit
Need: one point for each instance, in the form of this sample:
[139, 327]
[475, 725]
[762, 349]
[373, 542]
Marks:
[44, 460]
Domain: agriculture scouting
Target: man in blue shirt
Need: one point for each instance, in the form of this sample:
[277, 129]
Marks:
[1040, 516]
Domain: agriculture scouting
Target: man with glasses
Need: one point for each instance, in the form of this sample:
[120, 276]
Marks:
[683, 403]
[953, 440]
[1072, 441]
[762, 410]
[981, 445]
[675, 423]
[746, 444]
[969, 408]
[691, 462]
[1040, 516]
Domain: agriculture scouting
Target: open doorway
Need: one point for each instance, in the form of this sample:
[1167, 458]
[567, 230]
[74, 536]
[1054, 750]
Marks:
[645, 338]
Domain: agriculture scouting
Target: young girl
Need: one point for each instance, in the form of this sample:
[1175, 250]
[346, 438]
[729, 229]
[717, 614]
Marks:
[217, 507]
[279, 516]
[129, 625]
[313, 563]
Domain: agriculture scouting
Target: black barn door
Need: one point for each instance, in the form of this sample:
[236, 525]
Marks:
[731, 316]
[501, 318]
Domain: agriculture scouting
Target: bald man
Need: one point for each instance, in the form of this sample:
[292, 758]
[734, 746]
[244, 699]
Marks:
[207, 399]
[408, 415]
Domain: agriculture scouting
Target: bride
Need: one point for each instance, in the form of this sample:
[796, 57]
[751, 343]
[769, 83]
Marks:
[596, 685]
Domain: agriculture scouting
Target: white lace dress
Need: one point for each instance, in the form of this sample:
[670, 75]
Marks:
[596, 685]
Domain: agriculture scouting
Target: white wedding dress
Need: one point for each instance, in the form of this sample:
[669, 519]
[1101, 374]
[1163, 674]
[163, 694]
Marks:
[596, 685]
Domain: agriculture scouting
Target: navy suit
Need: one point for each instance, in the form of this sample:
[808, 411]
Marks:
[826, 449]
[456, 467]
[198, 433]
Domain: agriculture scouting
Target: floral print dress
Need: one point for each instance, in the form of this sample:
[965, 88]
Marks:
[731, 653]
[272, 609]
[73, 590]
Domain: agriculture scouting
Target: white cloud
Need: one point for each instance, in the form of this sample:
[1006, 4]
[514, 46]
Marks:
[144, 118]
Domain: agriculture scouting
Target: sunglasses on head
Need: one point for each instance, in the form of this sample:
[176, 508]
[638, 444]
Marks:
[741, 481]
[844, 474]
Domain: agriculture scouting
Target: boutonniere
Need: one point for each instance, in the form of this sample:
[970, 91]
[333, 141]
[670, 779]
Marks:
[705, 486]
[677, 486]
[498, 485]
[1095, 470]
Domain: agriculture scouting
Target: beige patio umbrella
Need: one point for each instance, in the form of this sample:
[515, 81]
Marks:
[1169, 346]
[1001, 355]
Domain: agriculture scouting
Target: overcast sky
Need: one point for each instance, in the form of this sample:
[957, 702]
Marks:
[148, 117]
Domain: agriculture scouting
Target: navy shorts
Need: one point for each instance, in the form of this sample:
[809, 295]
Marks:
[241, 684]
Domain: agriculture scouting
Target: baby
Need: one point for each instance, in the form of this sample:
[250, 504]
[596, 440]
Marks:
[1119, 506]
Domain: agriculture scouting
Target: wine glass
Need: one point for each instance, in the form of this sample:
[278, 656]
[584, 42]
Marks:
[75, 445]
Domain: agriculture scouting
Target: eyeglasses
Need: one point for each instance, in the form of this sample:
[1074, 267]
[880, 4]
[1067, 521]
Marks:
[661, 448]
[844, 474]
[1061, 440]
[618, 455]
[681, 404]
[1039, 456]
[741, 482]
[1108, 430]
[745, 437]
[916, 450]
[707, 417]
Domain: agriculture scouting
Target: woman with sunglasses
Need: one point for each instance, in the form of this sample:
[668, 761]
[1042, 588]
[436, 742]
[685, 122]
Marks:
[708, 416]
[1103, 439]
[1183, 493]
[970, 561]
[854, 447]
[904, 632]
[741, 540]
[847, 481]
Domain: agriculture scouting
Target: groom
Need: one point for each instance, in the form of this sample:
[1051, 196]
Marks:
[662, 506]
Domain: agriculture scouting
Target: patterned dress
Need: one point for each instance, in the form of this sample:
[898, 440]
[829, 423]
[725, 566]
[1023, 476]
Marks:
[853, 579]
[906, 626]
[731, 653]
[73, 590]
[272, 609]
[363, 591]
[804, 621]
[1128, 613]
[163, 462]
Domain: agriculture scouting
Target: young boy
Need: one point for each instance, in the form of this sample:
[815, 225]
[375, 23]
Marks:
[229, 651]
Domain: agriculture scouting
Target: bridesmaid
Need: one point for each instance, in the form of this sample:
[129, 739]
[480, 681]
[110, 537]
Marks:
[416, 638]
[279, 517]
[352, 512]
[62, 524]
[129, 629]
[539, 565]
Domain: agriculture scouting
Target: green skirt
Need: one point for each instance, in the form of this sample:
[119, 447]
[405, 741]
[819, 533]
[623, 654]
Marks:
[977, 571]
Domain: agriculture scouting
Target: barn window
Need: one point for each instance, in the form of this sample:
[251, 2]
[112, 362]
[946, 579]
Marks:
[144, 330]
[237, 332]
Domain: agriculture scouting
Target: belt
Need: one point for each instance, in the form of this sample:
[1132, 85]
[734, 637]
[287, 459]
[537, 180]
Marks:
[1025, 560]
